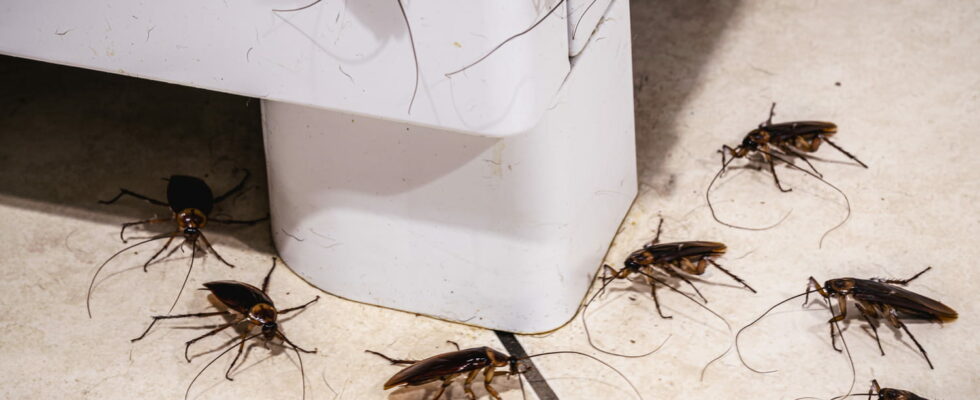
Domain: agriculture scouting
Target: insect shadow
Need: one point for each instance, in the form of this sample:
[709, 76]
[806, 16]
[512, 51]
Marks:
[691, 257]
[191, 202]
[875, 299]
[446, 367]
[252, 308]
[782, 141]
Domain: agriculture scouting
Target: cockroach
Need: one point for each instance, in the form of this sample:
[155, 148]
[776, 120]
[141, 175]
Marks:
[780, 142]
[881, 299]
[891, 394]
[190, 201]
[448, 366]
[689, 257]
[255, 310]
[874, 298]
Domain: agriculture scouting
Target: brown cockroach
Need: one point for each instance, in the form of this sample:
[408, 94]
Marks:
[781, 142]
[255, 310]
[881, 299]
[891, 394]
[448, 366]
[875, 299]
[190, 201]
[691, 257]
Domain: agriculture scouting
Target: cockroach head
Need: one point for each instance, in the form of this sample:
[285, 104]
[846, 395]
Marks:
[752, 141]
[839, 287]
[191, 220]
[517, 366]
[264, 315]
[638, 260]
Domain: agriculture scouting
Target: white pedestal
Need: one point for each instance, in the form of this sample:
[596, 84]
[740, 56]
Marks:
[504, 233]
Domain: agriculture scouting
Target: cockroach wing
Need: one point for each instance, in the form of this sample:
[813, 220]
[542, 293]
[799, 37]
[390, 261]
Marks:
[439, 366]
[238, 296]
[895, 394]
[667, 252]
[902, 299]
[189, 192]
[785, 131]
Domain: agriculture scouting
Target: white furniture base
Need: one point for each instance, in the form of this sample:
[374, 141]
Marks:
[504, 233]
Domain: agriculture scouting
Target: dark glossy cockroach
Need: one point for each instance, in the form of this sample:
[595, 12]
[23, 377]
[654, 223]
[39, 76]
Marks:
[881, 299]
[891, 394]
[688, 257]
[875, 299]
[448, 366]
[190, 201]
[255, 310]
[791, 139]
[782, 142]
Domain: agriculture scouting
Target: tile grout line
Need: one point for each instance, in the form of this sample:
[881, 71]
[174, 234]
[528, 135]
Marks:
[533, 375]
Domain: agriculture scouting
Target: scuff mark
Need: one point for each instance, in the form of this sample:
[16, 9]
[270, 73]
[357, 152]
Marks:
[341, 68]
[249, 51]
[148, 33]
[69, 30]
[291, 235]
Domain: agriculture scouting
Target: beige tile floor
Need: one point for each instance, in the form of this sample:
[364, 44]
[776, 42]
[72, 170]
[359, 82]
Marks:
[705, 72]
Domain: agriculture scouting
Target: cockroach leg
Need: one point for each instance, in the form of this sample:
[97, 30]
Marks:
[772, 168]
[903, 282]
[236, 189]
[291, 309]
[209, 247]
[487, 379]
[849, 155]
[391, 360]
[789, 151]
[866, 313]
[188, 391]
[467, 384]
[656, 239]
[145, 221]
[445, 383]
[892, 317]
[187, 345]
[656, 302]
[126, 192]
[196, 315]
[241, 348]
[456, 345]
[297, 348]
[671, 272]
[735, 277]
[157, 254]
[268, 275]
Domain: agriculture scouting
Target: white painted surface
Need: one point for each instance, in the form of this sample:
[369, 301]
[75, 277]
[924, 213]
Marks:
[350, 56]
[504, 233]
[583, 18]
